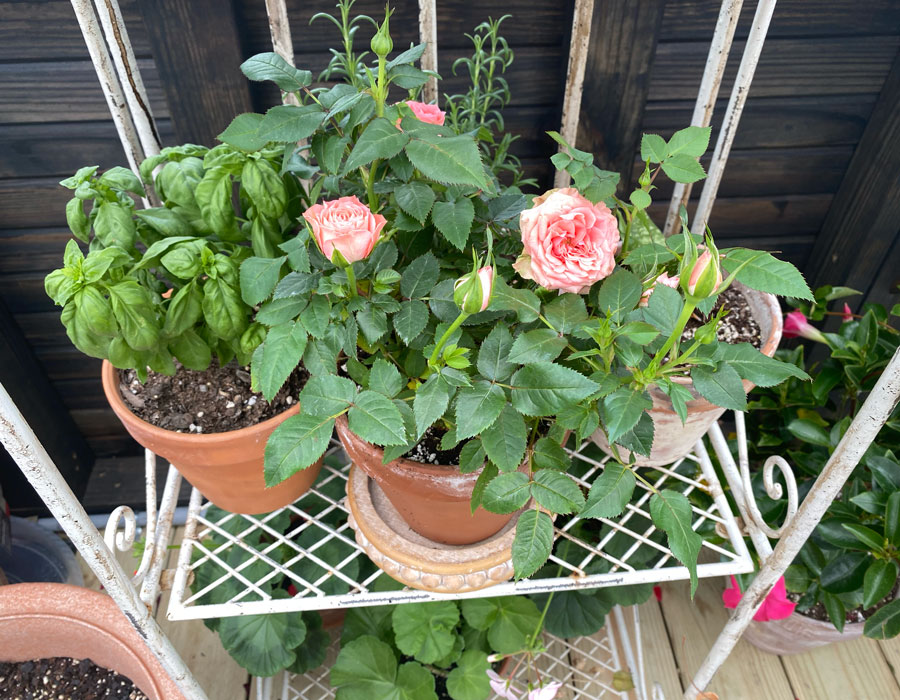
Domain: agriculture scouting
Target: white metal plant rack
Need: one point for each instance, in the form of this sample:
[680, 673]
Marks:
[628, 550]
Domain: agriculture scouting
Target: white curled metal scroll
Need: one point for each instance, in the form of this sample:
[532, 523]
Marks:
[773, 489]
[121, 527]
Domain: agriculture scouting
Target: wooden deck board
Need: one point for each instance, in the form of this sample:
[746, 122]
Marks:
[749, 674]
[659, 661]
[849, 670]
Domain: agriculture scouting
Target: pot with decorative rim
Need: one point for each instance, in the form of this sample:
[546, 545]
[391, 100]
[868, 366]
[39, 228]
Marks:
[432, 499]
[798, 633]
[46, 620]
[672, 440]
[227, 467]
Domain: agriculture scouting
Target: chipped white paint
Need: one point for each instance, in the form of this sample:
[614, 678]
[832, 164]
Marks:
[112, 90]
[129, 75]
[578, 53]
[749, 60]
[428, 34]
[729, 13]
[26, 450]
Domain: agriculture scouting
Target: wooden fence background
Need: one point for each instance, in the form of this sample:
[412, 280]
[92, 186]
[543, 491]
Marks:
[813, 173]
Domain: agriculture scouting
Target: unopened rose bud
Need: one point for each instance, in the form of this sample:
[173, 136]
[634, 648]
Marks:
[472, 292]
[705, 275]
[796, 326]
[382, 44]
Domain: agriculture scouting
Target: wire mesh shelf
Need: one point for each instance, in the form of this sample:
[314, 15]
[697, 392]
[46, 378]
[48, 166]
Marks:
[305, 556]
[586, 666]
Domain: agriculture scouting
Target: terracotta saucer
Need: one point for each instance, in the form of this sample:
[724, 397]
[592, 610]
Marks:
[416, 561]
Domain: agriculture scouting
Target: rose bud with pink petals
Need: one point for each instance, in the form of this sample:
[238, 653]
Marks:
[662, 279]
[345, 225]
[705, 276]
[796, 326]
[569, 243]
[472, 292]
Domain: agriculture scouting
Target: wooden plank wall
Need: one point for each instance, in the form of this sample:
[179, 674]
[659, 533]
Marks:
[821, 71]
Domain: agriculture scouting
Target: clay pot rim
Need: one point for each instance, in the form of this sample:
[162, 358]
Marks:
[126, 415]
[401, 463]
[771, 342]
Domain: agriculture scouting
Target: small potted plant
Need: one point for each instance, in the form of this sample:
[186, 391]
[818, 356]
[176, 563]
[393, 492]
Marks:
[157, 296]
[410, 326]
[677, 331]
[844, 582]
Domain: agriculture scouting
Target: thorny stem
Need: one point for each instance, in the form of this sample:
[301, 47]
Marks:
[447, 333]
[672, 342]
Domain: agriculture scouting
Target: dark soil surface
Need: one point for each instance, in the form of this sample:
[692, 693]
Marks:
[63, 678]
[738, 326]
[428, 451]
[215, 400]
[817, 611]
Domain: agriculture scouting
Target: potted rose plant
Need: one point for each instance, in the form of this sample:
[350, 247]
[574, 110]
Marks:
[157, 297]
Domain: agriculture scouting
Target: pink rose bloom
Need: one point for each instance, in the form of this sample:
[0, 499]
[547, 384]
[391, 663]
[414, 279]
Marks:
[568, 242]
[796, 326]
[430, 114]
[776, 606]
[346, 225]
[662, 279]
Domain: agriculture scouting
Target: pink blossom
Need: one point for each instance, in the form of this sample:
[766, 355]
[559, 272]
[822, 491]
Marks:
[547, 692]
[796, 326]
[346, 225]
[568, 242]
[848, 313]
[662, 279]
[501, 686]
[430, 114]
[776, 606]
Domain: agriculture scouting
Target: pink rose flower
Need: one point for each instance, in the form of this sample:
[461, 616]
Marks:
[776, 606]
[796, 326]
[430, 114]
[662, 279]
[346, 225]
[568, 242]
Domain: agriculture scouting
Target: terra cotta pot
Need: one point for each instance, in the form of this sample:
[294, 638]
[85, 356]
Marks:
[45, 620]
[227, 467]
[798, 633]
[433, 499]
[672, 440]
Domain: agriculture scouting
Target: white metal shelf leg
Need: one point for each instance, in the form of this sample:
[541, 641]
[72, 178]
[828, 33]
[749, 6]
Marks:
[23, 445]
[865, 427]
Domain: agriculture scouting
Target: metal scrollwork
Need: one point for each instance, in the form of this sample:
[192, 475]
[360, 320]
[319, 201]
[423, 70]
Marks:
[121, 527]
